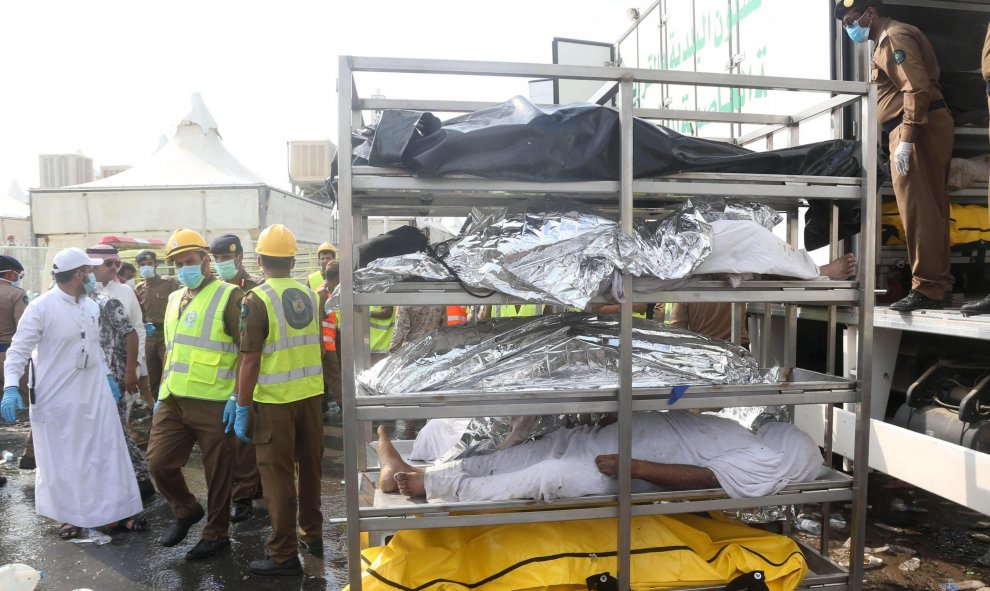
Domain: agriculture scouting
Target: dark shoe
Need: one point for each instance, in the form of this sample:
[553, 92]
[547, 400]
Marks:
[3, 480]
[206, 548]
[916, 301]
[980, 307]
[315, 548]
[270, 568]
[27, 463]
[240, 510]
[146, 488]
[178, 529]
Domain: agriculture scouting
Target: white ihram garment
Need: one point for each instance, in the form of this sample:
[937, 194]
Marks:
[84, 476]
[741, 246]
[562, 464]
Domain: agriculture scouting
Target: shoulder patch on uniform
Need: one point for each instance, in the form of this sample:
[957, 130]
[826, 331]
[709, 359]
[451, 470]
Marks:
[899, 56]
[244, 310]
[25, 298]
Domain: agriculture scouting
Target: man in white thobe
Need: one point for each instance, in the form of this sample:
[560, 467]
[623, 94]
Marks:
[85, 477]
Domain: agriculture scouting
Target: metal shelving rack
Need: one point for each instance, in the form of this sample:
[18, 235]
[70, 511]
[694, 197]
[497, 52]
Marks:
[367, 191]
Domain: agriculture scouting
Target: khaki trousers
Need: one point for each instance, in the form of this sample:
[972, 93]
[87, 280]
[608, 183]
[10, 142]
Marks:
[179, 424]
[154, 353]
[331, 376]
[923, 202]
[245, 471]
[289, 443]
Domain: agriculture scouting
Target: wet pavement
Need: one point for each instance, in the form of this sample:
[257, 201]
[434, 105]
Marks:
[135, 561]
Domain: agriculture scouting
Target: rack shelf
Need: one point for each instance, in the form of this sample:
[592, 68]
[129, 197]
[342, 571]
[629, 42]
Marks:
[366, 191]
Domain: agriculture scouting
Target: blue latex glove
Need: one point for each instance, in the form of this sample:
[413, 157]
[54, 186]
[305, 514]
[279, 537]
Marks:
[229, 413]
[12, 403]
[241, 423]
[149, 329]
[157, 404]
[114, 389]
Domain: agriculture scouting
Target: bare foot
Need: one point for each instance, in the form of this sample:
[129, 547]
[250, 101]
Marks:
[411, 484]
[841, 268]
[390, 461]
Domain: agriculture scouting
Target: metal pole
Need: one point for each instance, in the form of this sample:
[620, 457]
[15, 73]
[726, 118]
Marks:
[351, 490]
[623, 562]
[864, 369]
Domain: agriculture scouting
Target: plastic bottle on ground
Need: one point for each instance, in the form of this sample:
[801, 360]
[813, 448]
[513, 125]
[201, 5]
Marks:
[8, 457]
[19, 577]
[99, 538]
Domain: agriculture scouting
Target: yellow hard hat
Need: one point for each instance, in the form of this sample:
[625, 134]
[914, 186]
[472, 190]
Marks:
[326, 246]
[276, 241]
[183, 240]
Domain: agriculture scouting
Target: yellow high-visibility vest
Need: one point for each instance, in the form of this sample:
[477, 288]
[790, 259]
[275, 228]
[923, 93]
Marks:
[291, 367]
[200, 358]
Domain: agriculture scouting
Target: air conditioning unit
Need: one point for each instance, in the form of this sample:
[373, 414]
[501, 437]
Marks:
[309, 161]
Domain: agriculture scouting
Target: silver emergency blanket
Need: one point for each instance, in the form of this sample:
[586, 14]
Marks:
[556, 257]
[557, 352]
[565, 256]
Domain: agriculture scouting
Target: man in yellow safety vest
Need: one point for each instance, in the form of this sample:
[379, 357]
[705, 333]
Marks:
[326, 253]
[196, 402]
[281, 378]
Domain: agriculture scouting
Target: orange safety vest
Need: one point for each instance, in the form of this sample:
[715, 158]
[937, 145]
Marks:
[456, 315]
[329, 325]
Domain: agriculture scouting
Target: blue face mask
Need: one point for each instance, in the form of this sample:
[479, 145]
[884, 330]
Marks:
[190, 276]
[227, 270]
[147, 271]
[90, 284]
[857, 33]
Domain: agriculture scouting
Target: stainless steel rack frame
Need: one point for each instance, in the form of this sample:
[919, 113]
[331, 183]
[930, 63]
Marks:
[365, 191]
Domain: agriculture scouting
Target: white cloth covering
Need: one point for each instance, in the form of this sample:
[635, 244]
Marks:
[437, 437]
[562, 464]
[132, 307]
[84, 476]
[742, 246]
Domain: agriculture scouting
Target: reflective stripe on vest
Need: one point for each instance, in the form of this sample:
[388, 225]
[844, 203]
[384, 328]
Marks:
[291, 366]
[329, 327]
[456, 315]
[200, 358]
[381, 331]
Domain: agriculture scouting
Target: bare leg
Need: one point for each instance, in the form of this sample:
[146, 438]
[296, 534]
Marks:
[841, 268]
[391, 463]
[411, 484]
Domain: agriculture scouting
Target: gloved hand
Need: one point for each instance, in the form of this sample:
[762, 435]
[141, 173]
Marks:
[114, 388]
[241, 423]
[157, 404]
[229, 413]
[12, 403]
[902, 157]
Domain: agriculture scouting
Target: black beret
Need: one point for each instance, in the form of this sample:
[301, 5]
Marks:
[842, 7]
[145, 254]
[226, 244]
[9, 263]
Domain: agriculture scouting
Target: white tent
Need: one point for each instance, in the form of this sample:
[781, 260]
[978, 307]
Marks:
[190, 182]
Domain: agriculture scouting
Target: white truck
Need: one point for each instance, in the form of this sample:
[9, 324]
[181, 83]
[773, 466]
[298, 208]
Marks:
[931, 370]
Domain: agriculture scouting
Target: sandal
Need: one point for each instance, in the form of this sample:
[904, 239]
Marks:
[69, 531]
[126, 525]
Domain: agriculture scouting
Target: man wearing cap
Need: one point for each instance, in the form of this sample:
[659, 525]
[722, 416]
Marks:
[107, 284]
[280, 377]
[196, 402]
[982, 306]
[152, 293]
[85, 477]
[13, 300]
[913, 112]
[229, 257]
[325, 253]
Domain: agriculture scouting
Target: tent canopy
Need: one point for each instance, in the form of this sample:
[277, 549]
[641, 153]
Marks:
[194, 156]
